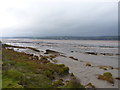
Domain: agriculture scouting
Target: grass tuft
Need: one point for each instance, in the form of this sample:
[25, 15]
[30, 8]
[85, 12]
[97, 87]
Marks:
[106, 76]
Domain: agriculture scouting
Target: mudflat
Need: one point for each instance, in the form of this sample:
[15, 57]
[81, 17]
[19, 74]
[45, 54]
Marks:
[86, 59]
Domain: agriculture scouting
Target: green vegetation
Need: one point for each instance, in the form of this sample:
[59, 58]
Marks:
[55, 61]
[107, 76]
[6, 45]
[58, 82]
[34, 49]
[52, 56]
[90, 85]
[21, 72]
[73, 84]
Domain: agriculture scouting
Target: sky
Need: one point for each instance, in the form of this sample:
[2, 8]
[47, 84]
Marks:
[39, 18]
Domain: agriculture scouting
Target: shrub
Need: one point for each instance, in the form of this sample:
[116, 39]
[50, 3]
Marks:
[55, 61]
[60, 69]
[107, 76]
[44, 58]
[90, 85]
[58, 82]
[9, 83]
[49, 74]
[9, 62]
[16, 75]
[73, 84]
[35, 81]
[52, 56]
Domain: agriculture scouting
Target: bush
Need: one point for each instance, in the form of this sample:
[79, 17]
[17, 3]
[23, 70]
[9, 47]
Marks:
[49, 74]
[35, 81]
[107, 76]
[9, 83]
[9, 62]
[13, 74]
[60, 69]
[58, 82]
[90, 85]
[20, 72]
[73, 84]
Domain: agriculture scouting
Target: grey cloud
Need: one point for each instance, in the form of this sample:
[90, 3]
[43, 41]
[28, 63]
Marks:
[74, 19]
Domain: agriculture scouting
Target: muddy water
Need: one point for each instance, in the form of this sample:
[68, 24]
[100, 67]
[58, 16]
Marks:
[76, 48]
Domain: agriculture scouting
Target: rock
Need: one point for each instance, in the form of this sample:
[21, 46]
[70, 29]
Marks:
[92, 53]
[52, 52]
[73, 58]
[72, 51]
[108, 54]
[90, 85]
[111, 67]
[63, 55]
[103, 67]
[118, 78]
[71, 74]
[88, 64]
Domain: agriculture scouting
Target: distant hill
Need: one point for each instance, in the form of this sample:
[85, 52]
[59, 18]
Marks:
[72, 37]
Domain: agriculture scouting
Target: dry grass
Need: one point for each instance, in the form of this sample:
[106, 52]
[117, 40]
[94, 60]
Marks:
[106, 76]
[20, 72]
[34, 49]
[90, 85]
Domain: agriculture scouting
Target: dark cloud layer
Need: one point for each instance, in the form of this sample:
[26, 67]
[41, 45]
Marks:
[61, 19]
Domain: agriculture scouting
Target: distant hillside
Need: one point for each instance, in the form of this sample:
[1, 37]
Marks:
[81, 38]
[72, 37]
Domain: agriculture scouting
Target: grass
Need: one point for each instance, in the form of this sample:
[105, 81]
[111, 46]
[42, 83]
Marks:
[58, 82]
[34, 49]
[106, 76]
[73, 84]
[9, 83]
[20, 72]
[90, 85]
[6, 45]
[52, 56]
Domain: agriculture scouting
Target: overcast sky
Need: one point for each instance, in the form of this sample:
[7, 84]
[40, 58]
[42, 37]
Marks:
[36, 18]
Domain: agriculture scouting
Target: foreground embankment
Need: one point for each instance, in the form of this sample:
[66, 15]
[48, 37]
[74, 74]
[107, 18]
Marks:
[89, 61]
[21, 70]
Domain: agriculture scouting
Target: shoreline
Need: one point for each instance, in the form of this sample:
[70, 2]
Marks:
[20, 69]
[84, 70]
